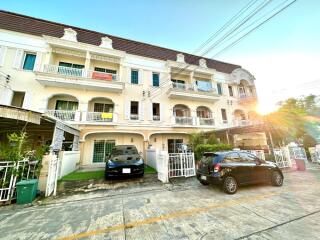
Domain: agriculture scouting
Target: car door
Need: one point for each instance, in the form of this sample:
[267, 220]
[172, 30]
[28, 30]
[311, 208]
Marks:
[233, 164]
[247, 166]
[259, 170]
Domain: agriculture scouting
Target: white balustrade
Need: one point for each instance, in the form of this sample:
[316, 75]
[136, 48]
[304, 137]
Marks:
[65, 115]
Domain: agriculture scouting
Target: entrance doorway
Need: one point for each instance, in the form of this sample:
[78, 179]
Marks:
[101, 148]
[174, 145]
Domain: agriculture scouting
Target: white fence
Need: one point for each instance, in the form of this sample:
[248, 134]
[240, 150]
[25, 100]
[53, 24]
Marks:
[12, 172]
[151, 155]
[53, 172]
[315, 154]
[181, 165]
[68, 162]
[162, 166]
[285, 157]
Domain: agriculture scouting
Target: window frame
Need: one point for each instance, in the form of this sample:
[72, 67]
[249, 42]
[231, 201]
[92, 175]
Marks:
[153, 79]
[25, 58]
[230, 88]
[219, 89]
[132, 80]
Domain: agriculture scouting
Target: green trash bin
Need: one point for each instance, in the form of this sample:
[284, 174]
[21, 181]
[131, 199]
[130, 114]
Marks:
[26, 191]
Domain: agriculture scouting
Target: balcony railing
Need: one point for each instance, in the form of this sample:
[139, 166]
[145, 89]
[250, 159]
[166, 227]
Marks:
[206, 121]
[134, 116]
[64, 115]
[67, 71]
[192, 87]
[183, 120]
[76, 72]
[155, 118]
[246, 122]
[99, 117]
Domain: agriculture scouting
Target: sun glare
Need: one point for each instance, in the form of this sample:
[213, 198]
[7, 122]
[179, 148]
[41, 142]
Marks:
[265, 108]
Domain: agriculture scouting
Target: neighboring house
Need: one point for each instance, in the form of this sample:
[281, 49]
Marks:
[118, 91]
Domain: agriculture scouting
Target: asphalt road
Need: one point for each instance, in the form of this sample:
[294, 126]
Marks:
[182, 210]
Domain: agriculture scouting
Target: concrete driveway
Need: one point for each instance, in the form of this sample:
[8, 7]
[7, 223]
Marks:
[182, 210]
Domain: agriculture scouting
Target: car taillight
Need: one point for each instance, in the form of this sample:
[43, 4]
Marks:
[216, 167]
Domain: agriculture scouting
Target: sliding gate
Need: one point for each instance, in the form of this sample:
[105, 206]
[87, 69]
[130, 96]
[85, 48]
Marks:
[181, 165]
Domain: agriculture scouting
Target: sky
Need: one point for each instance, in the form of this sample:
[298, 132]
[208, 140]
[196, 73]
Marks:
[283, 54]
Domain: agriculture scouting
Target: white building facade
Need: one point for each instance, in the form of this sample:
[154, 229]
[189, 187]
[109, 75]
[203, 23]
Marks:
[118, 91]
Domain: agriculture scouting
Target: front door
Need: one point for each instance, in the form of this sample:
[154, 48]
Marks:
[101, 148]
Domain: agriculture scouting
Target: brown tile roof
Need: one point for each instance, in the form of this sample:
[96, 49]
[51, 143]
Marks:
[34, 26]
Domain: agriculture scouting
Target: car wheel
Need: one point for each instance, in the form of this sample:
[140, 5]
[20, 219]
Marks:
[204, 182]
[230, 185]
[276, 179]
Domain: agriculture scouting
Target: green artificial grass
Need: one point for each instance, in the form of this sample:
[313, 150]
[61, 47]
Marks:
[74, 176]
[148, 169]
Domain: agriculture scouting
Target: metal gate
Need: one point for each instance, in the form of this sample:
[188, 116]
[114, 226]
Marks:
[181, 165]
[53, 172]
[11, 173]
[315, 154]
[285, 157]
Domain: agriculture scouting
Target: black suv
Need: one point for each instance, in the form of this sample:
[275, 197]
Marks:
[124, 160]
[234, 168]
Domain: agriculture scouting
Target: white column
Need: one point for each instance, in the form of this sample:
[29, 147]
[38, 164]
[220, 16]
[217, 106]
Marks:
[82, 111]
[85, 71]
[194, 117]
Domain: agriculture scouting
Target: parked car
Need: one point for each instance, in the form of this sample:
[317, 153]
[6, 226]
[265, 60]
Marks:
[232, 169]
[124, 160]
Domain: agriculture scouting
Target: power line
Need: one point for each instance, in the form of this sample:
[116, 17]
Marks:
[241, 23]
[251, 24]
[244, 9]
[255, 28]
[230, 21]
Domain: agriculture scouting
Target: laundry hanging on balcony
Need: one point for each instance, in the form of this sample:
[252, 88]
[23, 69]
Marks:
[106, 115]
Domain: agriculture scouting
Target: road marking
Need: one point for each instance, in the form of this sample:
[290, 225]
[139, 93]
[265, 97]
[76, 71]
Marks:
[177, 214]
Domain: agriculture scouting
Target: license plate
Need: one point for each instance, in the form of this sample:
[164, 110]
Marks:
[203, 178]
[126, 170]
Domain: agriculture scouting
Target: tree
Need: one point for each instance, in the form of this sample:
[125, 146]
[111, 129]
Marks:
[291, 121]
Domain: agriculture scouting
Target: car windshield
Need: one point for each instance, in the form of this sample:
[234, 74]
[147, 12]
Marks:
[124, 150]
[208, 157]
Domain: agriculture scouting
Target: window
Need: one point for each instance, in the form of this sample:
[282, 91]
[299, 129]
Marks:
[103, 107]
[230, 91]
[219, 87]
[178, 84]
[248, 158]
[71, 65]
[232, 158]
[17, 99]
[29, 61]
[224, 115]
[174, 145]
[155, 79]
[66, 105]
[101, 149]
[134, 76]
[156, 111]
[134, 110]
[105, 70]
[204, 86]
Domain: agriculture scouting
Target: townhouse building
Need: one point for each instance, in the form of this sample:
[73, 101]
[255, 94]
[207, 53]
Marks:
[118, 91]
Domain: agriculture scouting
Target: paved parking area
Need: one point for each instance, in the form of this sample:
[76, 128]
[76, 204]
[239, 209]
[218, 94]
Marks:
[182, 210]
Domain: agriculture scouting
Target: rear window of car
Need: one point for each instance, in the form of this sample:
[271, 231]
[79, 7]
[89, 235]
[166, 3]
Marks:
[210, 157]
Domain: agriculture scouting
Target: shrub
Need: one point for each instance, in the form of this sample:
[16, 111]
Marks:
[201, 148]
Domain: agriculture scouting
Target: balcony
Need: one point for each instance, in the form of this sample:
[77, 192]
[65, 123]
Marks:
[53, 75]
[101, 117]
[64, 115]
[191, 92]
[247, 98]
[183, 121]
[206, 121]
[246, 122]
